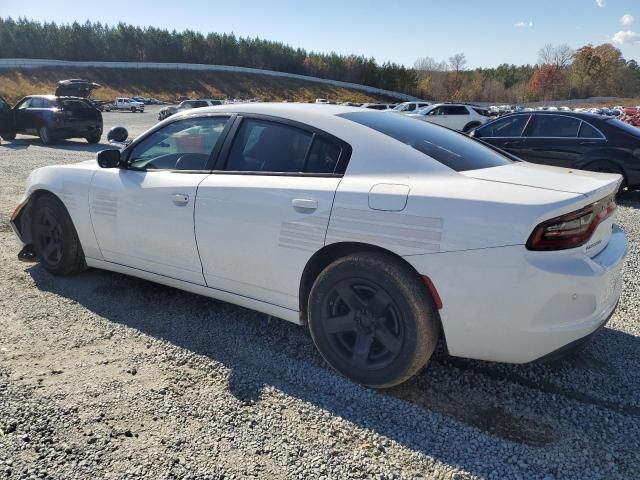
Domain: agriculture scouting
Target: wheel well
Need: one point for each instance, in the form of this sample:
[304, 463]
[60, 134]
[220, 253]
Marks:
[24, 218]
[327, 255]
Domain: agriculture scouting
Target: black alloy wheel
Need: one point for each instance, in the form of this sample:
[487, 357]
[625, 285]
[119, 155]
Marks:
[364, 323]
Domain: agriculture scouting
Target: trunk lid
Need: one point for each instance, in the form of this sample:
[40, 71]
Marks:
[591, 184]
[75, 87]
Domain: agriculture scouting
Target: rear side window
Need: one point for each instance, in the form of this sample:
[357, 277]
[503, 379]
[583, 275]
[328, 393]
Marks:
[553, 126]
[505, 127]
[455, 150]
[587, 131]
[323, 156]
[263, 146]
[457, 110]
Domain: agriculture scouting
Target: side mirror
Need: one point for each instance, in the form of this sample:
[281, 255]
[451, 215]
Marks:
[118, 135]
[108, 158]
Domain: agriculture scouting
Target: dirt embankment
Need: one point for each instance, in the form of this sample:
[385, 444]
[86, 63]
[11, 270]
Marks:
[168, 85]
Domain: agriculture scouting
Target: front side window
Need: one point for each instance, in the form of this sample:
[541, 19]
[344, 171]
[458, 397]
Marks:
[182, 145]
[24, 104]
[455, 150]
[264, 146]
[411, 107]
[505, 127]
[438, 111]
[553, 126]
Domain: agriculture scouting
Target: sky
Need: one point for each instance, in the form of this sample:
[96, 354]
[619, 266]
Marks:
[488, 32]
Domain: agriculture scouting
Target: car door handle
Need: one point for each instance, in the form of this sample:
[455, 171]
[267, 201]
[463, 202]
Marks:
[588, 143]
[180, 199]
[304, 204]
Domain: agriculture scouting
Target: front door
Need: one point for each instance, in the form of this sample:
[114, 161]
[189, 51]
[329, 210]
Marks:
[7, 126]
[142, 213]
[261, 218]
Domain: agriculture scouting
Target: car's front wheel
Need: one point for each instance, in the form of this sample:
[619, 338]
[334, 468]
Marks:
[373, 319]
[55, 240]
[133, 109]
[45, 135]
[9, 136]
[94, 138]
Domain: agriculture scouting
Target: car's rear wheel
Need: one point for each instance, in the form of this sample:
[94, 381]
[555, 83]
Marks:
[55, 240]
[94, 138]
[372, 319]
[45, 135]
[609, 168]
[470, 126]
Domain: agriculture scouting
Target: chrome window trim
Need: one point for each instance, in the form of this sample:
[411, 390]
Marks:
[531, 115]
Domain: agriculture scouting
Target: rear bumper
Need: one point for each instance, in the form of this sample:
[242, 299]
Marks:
[508, 304]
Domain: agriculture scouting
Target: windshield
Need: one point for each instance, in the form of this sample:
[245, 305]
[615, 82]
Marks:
[455, 150]
[400, 107]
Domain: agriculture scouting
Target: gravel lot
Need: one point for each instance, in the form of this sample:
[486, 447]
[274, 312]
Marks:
[107, 376]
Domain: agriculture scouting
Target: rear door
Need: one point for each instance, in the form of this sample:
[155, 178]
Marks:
[553, 140]
[264, 212]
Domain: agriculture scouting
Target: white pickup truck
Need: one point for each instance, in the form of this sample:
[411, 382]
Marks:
[125, 104]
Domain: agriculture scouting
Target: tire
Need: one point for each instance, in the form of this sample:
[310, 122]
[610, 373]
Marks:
[45, 135]
[55, 240]
[389, 324]
[133, 109]
[470, 126]
[94, 138]
[9, 136]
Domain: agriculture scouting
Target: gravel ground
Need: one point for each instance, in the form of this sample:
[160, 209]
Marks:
[107, 376]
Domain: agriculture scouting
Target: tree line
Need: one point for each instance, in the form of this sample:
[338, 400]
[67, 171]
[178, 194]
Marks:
[560, 72]
[90, 41]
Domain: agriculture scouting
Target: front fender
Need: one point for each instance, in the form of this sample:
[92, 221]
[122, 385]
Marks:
[70, 184]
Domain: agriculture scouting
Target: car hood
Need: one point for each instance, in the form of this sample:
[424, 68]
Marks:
[590, 184]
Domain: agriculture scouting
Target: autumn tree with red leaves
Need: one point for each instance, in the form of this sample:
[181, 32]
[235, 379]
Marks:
[547, 81]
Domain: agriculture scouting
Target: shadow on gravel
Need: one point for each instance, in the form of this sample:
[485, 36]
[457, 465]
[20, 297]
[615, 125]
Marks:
[503, 401]
[77, 145]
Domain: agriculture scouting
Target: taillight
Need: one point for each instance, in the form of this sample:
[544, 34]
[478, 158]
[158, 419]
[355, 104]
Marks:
[573, 229]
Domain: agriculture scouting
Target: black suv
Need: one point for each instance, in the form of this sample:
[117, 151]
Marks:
[54, 117]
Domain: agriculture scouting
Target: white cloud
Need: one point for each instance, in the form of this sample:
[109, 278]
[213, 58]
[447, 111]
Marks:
[528, 24]
[626, 37]
[600, 3]
[627, 19]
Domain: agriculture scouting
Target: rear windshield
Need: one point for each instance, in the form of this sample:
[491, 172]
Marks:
[455, 150]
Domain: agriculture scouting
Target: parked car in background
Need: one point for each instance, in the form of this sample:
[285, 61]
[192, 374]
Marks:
[6, 120]
[123, 103]
[457, 116]
[569, 139]
[54, 118]
[186, 105]
[322, 100]
[299, 212]
[409, 107]
[375, 106]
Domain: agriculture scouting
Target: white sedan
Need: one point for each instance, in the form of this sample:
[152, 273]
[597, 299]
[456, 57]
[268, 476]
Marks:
[377, 232]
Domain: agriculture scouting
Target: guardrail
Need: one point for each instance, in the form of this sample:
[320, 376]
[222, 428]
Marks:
[11, 63]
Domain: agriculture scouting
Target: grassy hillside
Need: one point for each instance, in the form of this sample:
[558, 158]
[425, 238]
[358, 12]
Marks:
[167, 85]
